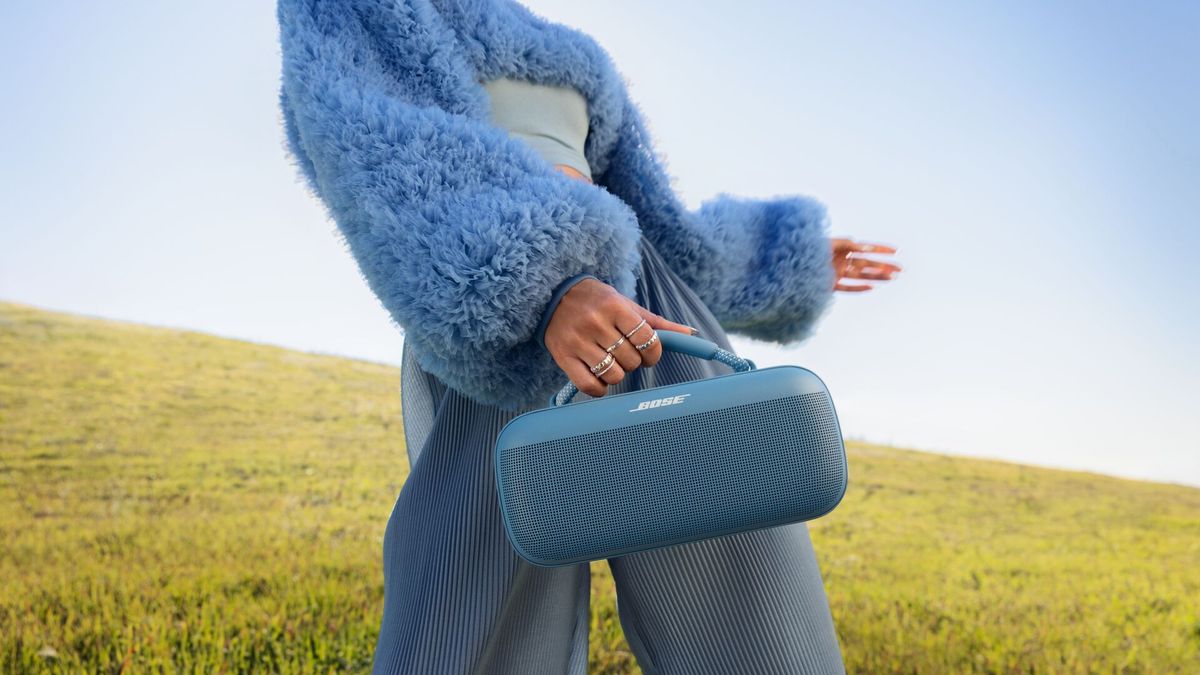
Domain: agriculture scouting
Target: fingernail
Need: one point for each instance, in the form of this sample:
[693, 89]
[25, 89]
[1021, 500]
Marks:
[695, 332]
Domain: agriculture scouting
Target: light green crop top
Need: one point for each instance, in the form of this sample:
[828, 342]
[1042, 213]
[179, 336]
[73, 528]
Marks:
[552, 119]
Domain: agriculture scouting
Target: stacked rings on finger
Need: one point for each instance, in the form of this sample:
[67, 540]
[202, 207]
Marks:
[621, 340]
[647, 343]
[609, 360]
[604, 365]
[616, 344]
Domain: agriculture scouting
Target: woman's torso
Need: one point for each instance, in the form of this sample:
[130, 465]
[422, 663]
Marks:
[552, 119]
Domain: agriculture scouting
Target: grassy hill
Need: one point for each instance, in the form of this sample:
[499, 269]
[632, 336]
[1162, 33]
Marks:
[173, 500]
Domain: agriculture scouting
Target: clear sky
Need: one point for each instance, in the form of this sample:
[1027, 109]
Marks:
[1036, 164]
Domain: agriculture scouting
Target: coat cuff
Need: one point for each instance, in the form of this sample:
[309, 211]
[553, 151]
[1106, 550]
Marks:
[559, 292]
[775, 280]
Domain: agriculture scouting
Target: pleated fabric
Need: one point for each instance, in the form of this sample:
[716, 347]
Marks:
[458, 599]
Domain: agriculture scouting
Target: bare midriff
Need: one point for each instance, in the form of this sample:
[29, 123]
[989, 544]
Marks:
[572, 172]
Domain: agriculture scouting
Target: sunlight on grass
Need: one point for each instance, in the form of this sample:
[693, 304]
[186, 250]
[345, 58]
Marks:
[172, 500]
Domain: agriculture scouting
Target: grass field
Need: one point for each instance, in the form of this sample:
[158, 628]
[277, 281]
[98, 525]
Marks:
[176, 501]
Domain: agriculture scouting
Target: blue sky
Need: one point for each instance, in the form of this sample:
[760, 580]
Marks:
[1036, 164]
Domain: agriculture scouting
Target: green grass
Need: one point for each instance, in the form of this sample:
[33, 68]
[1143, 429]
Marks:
[177, 501]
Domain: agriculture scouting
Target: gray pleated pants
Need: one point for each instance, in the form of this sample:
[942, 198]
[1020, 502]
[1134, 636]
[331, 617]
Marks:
[458, 599]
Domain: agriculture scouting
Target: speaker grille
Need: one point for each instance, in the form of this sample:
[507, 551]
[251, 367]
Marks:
[678, 479]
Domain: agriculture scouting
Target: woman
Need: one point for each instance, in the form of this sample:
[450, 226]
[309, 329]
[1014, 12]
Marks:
[499, 191]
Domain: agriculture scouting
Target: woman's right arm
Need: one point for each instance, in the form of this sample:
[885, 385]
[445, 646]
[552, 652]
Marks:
[462, 232]
[587, 317]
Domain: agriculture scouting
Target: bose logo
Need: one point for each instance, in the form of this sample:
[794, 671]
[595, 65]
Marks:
[654, 403]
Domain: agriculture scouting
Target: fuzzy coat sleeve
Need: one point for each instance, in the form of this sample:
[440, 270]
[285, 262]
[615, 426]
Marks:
[762, 266]
[462, 232]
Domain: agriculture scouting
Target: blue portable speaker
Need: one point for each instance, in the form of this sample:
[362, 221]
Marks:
[645, 469]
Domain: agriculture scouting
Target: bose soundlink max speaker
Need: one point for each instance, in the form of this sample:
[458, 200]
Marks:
[645, 469]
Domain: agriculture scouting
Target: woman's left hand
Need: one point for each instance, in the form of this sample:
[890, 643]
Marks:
[848, 263]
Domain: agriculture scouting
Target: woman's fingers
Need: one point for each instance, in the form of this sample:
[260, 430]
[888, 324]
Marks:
[583, 378]
[853, 288]
[864, 247]
[656, 321]
[627, 354]
[867, 262]
[610, 373]
[868, 274]
[578, 367]
[863, 268]
[591, 318]
[623, 316]
[849, 265]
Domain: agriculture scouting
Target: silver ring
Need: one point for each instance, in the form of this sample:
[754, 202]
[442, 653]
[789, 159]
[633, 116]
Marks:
[604, 364]
[635, 328]
[647, 343]
[606, 368]
[615, 345]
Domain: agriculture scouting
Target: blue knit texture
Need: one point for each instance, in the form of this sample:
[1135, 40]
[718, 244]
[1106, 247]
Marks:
[463, 232]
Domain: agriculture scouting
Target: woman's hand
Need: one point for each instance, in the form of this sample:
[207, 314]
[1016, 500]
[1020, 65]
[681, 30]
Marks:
[590, 317]
[849, 264]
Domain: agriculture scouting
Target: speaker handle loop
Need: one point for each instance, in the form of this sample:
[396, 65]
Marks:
[676, 342]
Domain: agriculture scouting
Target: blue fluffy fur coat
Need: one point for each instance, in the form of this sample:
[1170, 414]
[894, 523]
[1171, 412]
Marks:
[463, 232]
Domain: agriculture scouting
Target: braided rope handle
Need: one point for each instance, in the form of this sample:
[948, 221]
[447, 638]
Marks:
[676, 342]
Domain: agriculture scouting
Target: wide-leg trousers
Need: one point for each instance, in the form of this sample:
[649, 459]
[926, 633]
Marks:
[459, 600]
